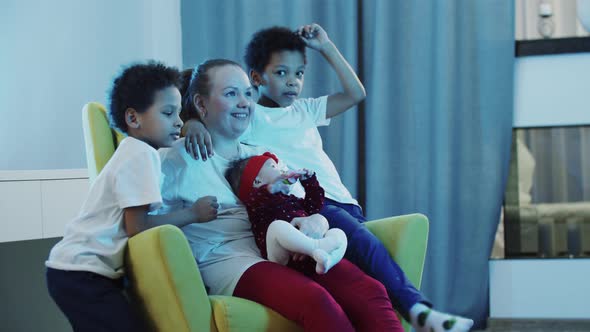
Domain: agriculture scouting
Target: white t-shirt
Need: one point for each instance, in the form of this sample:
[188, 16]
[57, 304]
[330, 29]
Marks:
[224, 248]
[291, 132]
[95, 240]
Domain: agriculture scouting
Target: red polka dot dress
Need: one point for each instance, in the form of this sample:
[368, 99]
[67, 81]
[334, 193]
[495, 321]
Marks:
[265, 207]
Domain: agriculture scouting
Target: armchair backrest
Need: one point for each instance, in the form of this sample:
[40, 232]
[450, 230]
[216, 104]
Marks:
[101, 140]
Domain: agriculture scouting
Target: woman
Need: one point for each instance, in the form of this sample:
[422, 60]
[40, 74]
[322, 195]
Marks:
[344, 299]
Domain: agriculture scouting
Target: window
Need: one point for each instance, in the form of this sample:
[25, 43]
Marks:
[547, 199]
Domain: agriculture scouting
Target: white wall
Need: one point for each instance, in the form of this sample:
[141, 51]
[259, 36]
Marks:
[552, 90]
[57, 55]
[539, 288]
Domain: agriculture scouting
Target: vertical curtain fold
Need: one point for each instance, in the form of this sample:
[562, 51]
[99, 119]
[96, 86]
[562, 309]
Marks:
[439, 77]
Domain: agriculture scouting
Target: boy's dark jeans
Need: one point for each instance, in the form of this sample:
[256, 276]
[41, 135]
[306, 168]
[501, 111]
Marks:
[92, 302]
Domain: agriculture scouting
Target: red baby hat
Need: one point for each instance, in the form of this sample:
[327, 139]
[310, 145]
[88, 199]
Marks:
[251, 171]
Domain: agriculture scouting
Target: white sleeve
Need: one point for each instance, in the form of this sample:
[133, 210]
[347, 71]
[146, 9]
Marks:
[137, 181]
[316, 108]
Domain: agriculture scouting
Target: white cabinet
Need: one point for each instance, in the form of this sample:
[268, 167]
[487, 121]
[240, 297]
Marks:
[20, 211]
[38, 204]
[61, 201]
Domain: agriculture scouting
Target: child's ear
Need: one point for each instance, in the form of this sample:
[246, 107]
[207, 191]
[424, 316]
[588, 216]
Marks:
[199, 104]
[131, 118]
[256, 78]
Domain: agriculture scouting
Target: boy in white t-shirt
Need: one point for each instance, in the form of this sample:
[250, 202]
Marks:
[85, 269]
[287, 125]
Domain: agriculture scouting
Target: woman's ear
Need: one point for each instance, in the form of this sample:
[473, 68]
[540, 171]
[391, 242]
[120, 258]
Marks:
[199, 103]
[256, 78]
[131, 118]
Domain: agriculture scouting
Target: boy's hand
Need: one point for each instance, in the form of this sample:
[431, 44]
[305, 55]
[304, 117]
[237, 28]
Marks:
[205, 208]
[197, 140]
[314, 36]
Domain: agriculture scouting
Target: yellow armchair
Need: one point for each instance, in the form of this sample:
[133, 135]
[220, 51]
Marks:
[166, 282]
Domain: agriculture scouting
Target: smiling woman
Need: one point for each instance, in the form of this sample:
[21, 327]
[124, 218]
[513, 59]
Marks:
[224, 103]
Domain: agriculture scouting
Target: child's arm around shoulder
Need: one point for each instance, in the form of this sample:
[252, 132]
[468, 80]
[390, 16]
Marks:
[136, 218]
[316, 38]
[198, 140]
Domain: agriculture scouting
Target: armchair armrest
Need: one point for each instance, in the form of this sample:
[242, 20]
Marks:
[180, 301]
[237, 314]
[406, 238]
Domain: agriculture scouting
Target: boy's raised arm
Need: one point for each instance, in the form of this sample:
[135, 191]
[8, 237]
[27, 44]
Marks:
[315, 37]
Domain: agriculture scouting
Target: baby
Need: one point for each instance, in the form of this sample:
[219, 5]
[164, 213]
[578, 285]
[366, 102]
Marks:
[275, 214]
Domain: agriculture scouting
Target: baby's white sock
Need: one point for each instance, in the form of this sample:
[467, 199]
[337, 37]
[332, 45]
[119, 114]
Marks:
[322, 260]
[327, 243]
[424, 319]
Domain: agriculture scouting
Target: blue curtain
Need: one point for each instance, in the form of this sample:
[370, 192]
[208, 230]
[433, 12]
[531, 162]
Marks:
[433, 135]
[439, 76]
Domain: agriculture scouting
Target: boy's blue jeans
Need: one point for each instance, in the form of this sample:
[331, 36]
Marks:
[368, 253]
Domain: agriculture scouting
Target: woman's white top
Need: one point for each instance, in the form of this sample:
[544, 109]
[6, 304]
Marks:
[224, 248]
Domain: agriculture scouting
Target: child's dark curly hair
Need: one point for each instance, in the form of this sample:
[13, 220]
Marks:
[136, 88]
[233, 174]
[268, 41]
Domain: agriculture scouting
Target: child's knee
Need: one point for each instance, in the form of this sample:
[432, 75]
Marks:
[339, 235]
[318, 218]
[278, 226]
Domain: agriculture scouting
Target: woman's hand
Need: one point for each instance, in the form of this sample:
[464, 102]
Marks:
[297, 257]
[197, 140]
[205, 208]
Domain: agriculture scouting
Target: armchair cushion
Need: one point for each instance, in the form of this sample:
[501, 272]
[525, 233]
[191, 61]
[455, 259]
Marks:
[165, 278]
[405, 237]
[101, 141]
[237, 314]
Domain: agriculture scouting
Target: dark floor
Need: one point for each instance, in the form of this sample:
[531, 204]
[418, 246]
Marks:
[537, 325]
